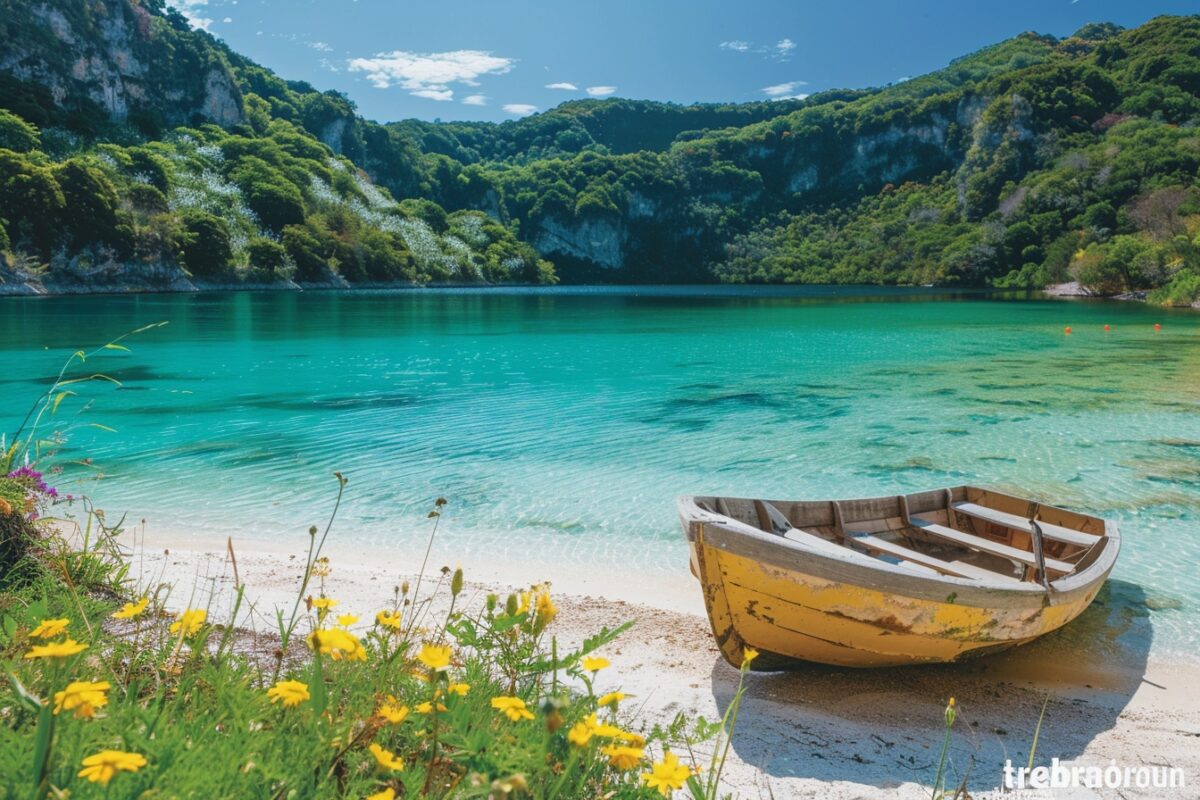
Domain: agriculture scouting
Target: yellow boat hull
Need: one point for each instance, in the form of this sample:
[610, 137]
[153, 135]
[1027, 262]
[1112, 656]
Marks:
[793, 607]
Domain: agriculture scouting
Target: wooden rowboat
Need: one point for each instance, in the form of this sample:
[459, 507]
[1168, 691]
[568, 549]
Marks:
[928, 577]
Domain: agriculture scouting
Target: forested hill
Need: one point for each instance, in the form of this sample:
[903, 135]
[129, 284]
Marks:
[135, 149]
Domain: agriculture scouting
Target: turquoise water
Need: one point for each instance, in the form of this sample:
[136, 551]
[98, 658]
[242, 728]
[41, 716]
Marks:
[561, 424]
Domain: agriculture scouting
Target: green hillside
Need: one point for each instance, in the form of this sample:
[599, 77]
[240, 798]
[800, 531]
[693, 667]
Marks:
[1030, 162]
[172, 160]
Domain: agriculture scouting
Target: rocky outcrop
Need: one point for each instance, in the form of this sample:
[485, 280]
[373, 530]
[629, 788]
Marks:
[110, 53]
[598, 240]
[892, 155]
[222, 99]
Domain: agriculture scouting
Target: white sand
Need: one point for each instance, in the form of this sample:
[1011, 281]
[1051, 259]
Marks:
[819, 732]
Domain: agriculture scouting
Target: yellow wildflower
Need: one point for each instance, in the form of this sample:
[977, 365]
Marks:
[49, 628]
[611, 699]
[601, 729]
[513, 708]
[392, 711]
[290, 693]
[63, 649]
[386, 759]
[459, 689]
[427, 707]
[338, 644]
[748, 656]
[623, 756]
[103, 766]
[346, 620]
[131, 610]
[387, 794]
[580, 734]
[545, 611]
[189, 622]
[667, 775]
[436, 657]
[82, 696]
[388, 619]
[324, 603]
[595, 663]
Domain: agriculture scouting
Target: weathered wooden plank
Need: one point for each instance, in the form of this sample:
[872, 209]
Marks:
[958, 568]
[1054, 532]
[980, 544]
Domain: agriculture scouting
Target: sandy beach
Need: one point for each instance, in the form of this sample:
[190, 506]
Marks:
[818, 732]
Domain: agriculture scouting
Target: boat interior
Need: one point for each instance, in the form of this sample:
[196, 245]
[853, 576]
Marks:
[964, 532]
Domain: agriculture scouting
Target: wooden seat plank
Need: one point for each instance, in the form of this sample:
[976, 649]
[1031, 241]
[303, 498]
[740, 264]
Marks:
[973, 542]
[1055, 532]
[921, 569]
[958, 569]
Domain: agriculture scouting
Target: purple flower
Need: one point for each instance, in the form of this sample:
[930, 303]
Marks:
[33, 482]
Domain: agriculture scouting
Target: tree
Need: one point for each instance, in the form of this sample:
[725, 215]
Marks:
[33, 201]
[207, 250]
[89, 203]
[17, 134]
[275, 201]
[1157, 213]
[268, 258]
[308, 252]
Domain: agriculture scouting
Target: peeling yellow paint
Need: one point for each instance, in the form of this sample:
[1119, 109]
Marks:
[788, 613]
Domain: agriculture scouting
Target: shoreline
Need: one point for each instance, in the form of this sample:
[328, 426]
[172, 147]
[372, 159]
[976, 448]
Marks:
[18, 286]
[816, 732]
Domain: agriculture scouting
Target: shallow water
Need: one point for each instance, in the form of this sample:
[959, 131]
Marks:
[561, 424]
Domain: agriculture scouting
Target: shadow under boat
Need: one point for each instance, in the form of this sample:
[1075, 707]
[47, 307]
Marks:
[884, 727]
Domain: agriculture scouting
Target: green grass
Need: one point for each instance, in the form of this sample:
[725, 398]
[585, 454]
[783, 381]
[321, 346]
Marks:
[194, 700]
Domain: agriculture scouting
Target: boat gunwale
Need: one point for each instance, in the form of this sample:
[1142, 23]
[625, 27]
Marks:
[729, 534]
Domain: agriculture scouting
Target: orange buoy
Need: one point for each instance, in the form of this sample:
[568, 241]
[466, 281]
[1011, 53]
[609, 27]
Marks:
[1106, 327]
[1067, 330]
[1157, 327]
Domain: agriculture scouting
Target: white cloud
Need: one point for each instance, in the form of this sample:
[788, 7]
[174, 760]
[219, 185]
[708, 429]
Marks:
[601, 91]
[227, 20]
[442, 95]
[791, 97]
[780, 51]
[784, 90]
[319, 46]
[566, 87]
[430, 74]
[520, 109]
[190, 9]
[475, 100]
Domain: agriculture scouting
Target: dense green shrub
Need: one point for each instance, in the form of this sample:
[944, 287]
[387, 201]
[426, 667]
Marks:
[268, 259]
[17, 134]
[206, 249]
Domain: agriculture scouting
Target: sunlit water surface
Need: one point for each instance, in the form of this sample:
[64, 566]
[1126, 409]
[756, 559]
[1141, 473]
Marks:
[562, 424]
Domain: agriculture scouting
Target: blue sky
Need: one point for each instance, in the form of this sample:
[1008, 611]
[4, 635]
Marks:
[500, 60]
